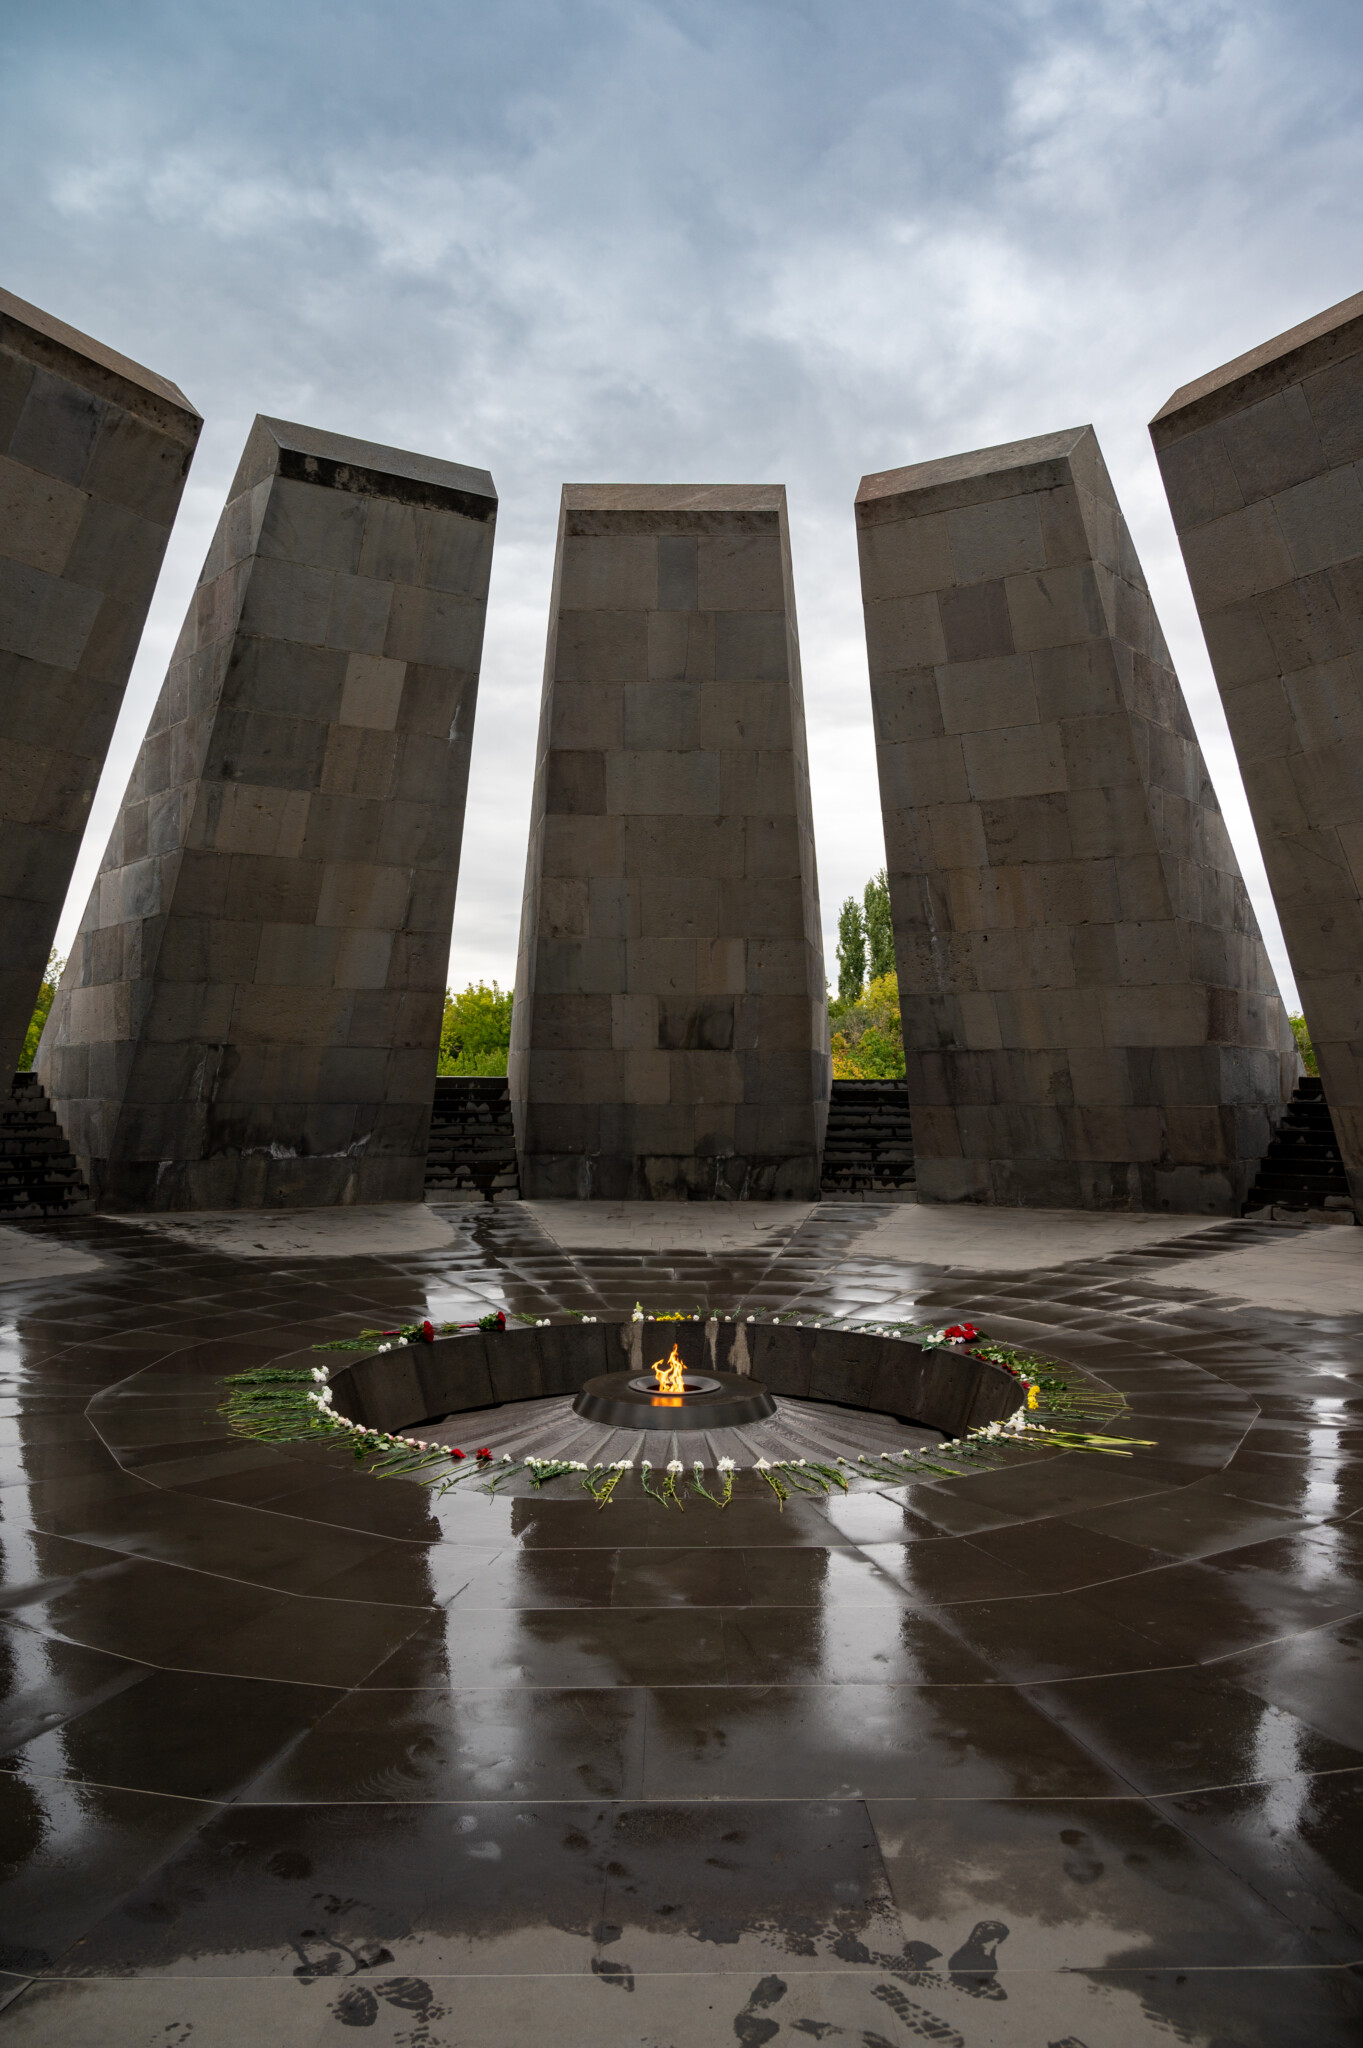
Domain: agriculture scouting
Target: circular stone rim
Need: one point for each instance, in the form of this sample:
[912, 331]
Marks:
[610, 1399]
[694, 1383]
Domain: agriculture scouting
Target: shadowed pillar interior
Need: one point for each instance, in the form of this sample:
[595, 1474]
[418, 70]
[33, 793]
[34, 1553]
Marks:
[251, 1011]
[1261, 460]
[94, 452]
[670, 1036]
[1090, 1017]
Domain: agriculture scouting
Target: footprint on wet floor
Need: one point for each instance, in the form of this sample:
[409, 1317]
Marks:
[1081, 1866]
[914, 2018]
[358, 2006]
[750, 2028]
[619, 1974]
[974, 1963]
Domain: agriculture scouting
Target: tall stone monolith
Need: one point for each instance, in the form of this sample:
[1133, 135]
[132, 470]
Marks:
[1262, 460]
[670, 1037]
[94, 452]
[251, 1013]
[1090, 1018]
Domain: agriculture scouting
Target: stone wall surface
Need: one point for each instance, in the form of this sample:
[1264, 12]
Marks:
[1262, 461]
[1090, 1018]
[94, 452]
[670, 1036]
[251, 1012]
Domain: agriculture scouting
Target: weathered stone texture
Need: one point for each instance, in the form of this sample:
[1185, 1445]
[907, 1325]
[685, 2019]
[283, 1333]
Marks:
[1090, 1018]
[251, 1012]
[94, 451]
[670, 1037]
[1262, 462]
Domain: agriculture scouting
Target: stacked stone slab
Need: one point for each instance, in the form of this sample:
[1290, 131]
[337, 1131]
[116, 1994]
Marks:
[1090, 1018]
[251, 1011]
[94, 451]
[1261, 460]
[670, 1035]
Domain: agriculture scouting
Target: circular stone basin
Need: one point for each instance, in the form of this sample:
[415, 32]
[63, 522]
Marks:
[725, 1401]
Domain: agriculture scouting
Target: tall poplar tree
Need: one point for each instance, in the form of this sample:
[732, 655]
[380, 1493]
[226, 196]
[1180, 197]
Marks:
[879, 926]
[851, 951]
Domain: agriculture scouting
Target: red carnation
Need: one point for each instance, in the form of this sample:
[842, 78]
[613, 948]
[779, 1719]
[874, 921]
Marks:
[454, 1453]
[428, 1332]
[961, 1333]
[485, 1453]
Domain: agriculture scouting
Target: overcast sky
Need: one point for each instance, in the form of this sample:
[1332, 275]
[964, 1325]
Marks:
[720, 241]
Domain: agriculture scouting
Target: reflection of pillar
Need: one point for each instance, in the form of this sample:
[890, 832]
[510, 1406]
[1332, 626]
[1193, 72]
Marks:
[670, 1036]
[1089, 1014]
[251, 1011]
[1261, 463]
[94, 451]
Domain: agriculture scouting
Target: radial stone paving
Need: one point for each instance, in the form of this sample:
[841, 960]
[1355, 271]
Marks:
[1068, 1752]
[1090, 1017]
[250, 1015]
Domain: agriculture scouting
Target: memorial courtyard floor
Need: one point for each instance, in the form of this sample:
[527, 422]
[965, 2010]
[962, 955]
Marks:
[1064, 1755]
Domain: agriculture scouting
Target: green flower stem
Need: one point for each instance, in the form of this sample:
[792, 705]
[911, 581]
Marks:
[774, 1483]
[646, 1480]
[833, 1474]
[803, 1479]
[542, 1470]
[698, 1482]
[602, 1481]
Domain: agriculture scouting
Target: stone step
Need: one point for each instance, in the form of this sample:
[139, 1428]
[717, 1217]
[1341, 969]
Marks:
[471, 1152]
[1302, 1168]
[868, 1147]
[38, 1175]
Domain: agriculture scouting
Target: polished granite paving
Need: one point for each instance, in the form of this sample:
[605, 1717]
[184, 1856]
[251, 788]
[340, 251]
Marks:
[1063, 1755]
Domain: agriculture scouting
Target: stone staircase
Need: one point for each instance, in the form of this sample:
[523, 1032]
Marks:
[1301, 1174]
[38, 1175]
[868, 1152]
[471, 1155]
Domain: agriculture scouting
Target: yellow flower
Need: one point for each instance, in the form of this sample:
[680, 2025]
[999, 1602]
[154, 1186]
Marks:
[1032, 1401]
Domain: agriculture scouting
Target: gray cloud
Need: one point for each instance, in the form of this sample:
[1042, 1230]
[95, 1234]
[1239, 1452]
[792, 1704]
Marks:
[784, 240]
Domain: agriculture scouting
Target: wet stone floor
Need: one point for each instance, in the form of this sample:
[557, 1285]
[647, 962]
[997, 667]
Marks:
[1063, 1755]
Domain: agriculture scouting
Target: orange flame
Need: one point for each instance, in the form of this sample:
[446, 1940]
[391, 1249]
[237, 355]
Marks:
[672, 1375]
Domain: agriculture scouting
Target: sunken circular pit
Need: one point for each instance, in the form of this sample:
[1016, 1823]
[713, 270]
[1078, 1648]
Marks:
[740, 1391]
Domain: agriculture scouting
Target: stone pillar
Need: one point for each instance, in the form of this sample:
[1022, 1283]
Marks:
[1261, 461]
[670, 1034]
[1090, 1018]
[94, 452]
[251, 1013]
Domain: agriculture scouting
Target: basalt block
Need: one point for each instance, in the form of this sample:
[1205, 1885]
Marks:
[1090, 1018]
[94, 452]
[670, 1038]
[1261, 462]
[251, 1012]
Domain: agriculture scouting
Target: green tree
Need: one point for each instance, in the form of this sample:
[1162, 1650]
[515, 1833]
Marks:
[868, 1039]
[851, 951]
[475, 1032]
[1304, 1045]
[879, 927]
[45, 994]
